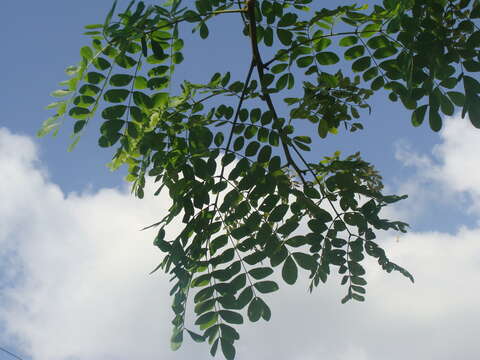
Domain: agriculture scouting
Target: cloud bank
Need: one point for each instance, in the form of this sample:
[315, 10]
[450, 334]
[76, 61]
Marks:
[75, 285]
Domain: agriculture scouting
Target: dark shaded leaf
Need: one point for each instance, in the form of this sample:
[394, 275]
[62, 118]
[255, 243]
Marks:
[255, 310]
[244, 298]
[290, 271]
[434, 119]
[266, 287]
[261, 273]
[231, 317]
[114, 112]
[79, 113]
[116, 95]
[306, 261]
[227, 349]
[121, 80]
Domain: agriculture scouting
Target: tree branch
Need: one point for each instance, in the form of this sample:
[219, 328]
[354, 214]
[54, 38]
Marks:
[260, 66]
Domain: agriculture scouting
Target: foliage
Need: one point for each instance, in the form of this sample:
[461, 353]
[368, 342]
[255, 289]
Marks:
[249, 200]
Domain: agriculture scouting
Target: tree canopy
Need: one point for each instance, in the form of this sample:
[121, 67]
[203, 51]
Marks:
[235, 166]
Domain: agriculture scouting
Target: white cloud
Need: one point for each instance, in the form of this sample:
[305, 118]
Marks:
[458, 152]
[450, 176]
[81, 286]
[75, 284]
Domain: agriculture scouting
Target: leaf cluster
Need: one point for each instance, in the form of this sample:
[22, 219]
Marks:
[237, 175]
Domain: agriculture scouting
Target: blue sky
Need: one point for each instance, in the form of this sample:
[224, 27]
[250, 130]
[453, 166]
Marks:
[74, 265]
[46, 37]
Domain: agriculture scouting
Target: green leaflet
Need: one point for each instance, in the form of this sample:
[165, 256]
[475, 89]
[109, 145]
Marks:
[306, 261]
[348, 41]
[125, 61]
[327, 58]
[231, 317]
[290, 271]
[114, 112]
[120, 80]
[116, 95]
[266, 287]
[84, 101]
[284, 36]
[60, 93]
[228, 349]
[79, 113]
[354, 52]
[260, 273]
